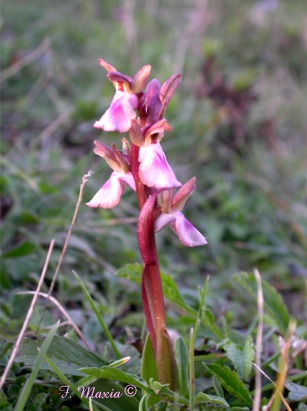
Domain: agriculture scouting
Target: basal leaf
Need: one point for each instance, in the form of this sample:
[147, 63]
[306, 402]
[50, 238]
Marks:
[90, 389]
[274, 305]
[112, 373]
[242, 356]
[68, 355]
[149, 368]
[231, 382]
[182, 360]
[209, 400]
[27, 388]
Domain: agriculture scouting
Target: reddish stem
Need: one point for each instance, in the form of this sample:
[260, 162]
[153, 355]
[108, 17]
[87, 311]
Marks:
[152, 285]
[152, 292]
[140, 188]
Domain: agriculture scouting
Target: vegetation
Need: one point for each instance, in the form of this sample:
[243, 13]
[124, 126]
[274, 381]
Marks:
[239, 126]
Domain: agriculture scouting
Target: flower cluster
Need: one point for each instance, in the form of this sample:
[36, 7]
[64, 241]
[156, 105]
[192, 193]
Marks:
[138, 107]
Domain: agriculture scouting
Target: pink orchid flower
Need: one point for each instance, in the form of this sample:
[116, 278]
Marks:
[111, 192]
[122, 110]
[154, 169]
[171, 207]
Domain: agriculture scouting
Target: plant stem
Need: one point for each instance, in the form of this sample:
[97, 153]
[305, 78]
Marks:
[153, 298]
[140, 188]
[152, 292]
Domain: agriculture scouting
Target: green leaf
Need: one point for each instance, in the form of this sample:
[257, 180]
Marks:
[149, 367]
[69, 386]
[116, 404]
[172, 293]
[26, 389]
[297, 392]
[210, 400]
[231, 382]
[148, 400]
[99, 316]
[217, 386]
[68, 355]
[112, 373]
[242, 357]
[273, 302]
[133, 272]
[208, 319]
[166, 394]
[21, 250]
[182, 359]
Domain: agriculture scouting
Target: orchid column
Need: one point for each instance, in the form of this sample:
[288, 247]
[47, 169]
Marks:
[138, 107]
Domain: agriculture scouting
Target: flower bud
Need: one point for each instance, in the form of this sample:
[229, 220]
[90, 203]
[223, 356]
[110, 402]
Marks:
[141, 79]
[168, 89]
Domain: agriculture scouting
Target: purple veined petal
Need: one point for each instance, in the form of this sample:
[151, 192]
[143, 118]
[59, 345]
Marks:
[154, 169]
[110, 193]
[186, 232]
[118, 117]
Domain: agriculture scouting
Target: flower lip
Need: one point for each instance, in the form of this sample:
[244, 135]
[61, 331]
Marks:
[111, 192]
[120, 113]
[154, 169]
[171, 206]
[186, 232]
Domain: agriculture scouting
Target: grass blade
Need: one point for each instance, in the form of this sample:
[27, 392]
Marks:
[100, 319]
[26, 390]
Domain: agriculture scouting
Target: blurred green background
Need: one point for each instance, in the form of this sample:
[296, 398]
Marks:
[239, 125]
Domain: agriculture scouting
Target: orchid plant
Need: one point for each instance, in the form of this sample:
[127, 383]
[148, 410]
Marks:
[138, 109]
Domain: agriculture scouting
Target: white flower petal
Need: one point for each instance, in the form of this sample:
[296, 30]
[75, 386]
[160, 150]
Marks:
[163, 220]
[118, 117]
[110, 193]
[154, 169]
[186, 232]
